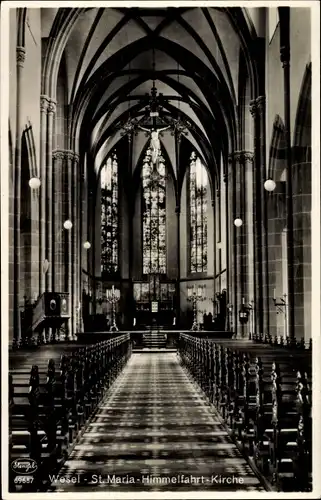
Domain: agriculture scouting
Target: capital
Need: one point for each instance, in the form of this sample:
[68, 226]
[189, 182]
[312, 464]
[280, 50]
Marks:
[247, 156]
[230, 158]
[21, 55]
[242, 157]
[238, 156]
[260, 102]
[70, 155]
[260, 99]
[253, 107]
[52, 106]
[58, 155]
[44, 101]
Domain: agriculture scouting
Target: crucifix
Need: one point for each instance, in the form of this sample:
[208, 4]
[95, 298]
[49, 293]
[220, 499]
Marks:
[153, 108]
[154, 140]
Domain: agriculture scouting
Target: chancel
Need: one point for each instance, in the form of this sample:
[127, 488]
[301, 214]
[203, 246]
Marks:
[159, 229]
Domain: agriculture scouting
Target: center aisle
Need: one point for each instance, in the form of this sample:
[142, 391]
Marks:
[155, 432]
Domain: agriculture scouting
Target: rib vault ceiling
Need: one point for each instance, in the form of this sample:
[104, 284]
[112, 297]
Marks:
[108, 63]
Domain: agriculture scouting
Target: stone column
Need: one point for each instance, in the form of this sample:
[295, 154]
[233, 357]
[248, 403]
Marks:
[74, 242]
[231, 257]
[91, 215]
[178, 141]
[257, 211]
[20, 53]
[248, 223]
[285, 59]
[84, 214]
[130, 205]
[68, 240]
[82, 239]
[217, 245]
[262, 196]
[178, 295]
[244, 244]
[227, 250]
[80, 242]
[50, 200]
[59, 159]
[44, 102]
[239, 239]
[214, 238]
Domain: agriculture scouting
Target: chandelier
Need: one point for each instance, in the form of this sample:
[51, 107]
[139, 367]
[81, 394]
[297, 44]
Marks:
[154, 117]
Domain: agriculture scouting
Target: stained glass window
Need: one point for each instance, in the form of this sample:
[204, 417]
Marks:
[154, 215]
[109, 215]
[198, 182]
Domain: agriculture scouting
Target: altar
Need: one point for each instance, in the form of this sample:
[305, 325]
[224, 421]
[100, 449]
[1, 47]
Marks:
[154, 302]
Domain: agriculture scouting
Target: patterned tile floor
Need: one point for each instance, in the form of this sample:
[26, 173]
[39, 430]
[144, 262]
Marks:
[155, 432]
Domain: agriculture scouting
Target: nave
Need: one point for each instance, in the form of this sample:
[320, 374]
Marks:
[160, 196]
[207, 414]
[155, 431]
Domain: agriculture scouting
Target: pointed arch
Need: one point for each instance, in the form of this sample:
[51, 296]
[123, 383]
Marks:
[109, 176]
[153, 180]
[277, 149]
[302, 127]
[61, 119]
[198, 209]
[138, 170]
[61, 29]
[186, 150]
[31, 148]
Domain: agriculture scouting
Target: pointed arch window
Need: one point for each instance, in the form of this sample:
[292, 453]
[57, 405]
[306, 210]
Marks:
[109, 215]
[198, 190]
[154, 214]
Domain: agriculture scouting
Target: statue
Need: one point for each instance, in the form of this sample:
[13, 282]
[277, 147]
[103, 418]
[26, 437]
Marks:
[154, 140]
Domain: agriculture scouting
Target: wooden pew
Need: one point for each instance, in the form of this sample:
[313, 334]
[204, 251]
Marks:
[52, 412]
[264, 396]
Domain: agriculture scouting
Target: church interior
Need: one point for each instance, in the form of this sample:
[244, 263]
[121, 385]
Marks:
[159, 235]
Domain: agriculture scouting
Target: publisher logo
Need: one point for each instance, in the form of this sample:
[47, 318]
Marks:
[24, 466]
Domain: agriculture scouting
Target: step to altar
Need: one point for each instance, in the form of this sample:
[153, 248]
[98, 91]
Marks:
[154, 339]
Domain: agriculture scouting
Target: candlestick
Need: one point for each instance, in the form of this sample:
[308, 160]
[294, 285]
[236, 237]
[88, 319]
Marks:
[113, 296]
[195, 293]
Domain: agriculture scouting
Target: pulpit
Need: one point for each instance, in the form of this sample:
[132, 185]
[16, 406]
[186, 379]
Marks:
[51, 310]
